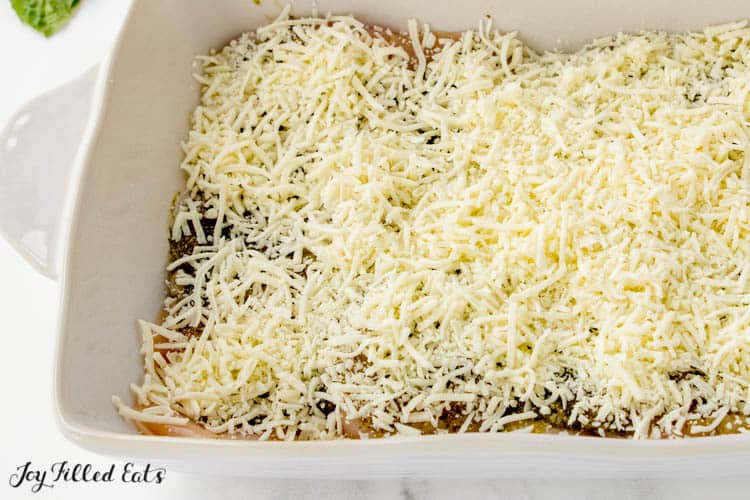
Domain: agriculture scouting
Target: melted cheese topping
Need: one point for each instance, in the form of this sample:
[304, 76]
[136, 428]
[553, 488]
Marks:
[488, 230]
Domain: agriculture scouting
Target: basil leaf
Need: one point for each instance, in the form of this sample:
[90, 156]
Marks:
[45, 16]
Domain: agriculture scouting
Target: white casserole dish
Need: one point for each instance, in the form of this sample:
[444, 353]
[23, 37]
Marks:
[109, 215]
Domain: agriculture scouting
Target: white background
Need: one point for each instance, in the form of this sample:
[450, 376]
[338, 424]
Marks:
[30, 64]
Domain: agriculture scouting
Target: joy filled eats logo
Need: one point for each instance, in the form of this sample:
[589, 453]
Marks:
[37, 479]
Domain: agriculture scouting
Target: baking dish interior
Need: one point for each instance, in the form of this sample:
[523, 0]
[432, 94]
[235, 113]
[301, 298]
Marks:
[117, 247]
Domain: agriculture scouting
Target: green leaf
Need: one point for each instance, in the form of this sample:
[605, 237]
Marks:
[45, 16]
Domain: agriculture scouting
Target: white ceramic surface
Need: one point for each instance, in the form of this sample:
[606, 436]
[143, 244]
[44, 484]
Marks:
[34, 180]
[123, 183]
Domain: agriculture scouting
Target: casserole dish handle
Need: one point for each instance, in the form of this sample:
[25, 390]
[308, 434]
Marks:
[38, 148]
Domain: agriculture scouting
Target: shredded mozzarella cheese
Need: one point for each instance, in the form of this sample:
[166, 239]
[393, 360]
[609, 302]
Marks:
[486, 230]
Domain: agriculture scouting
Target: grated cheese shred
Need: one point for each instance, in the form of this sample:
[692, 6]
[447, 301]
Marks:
[484, 229]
